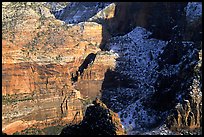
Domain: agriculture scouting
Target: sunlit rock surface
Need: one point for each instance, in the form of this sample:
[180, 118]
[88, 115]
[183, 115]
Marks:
[146, 65]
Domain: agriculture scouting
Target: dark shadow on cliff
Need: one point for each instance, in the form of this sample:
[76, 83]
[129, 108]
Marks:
[112, 91]
[98, 120]
[127, 16]
[158, 18]
[87, 62]
[166, 21]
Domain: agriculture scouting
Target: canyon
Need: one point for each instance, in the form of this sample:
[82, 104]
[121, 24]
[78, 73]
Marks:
[58, 57]
[38, 64]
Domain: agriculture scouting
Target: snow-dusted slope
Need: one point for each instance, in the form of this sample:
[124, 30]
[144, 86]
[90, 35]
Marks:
[193, 11]
[76, 12]
[138, 55]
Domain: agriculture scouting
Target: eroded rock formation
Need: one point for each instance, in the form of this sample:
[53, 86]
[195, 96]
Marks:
[39, 55]
[48, 77]
[188, 112]
[98, 120]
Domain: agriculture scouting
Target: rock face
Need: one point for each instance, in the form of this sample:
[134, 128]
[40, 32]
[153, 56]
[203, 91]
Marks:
[174, 68]
[181, 61]
[44, 41]
[188, 112]
[128, 15]
[158, 73]
[120, 18]
[143, 60]
[193, 29]
[77, 12]
[39, 56]
[125, 89]
[41, 111]
[98, 120]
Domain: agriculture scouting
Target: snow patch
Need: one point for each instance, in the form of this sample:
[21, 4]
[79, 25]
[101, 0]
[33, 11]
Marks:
[193, 11]
[138, 55]
[138, 60]
[135, 116]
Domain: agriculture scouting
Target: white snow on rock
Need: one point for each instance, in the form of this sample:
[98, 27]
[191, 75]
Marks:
[137, 60]
[102, 13]
[77, 12]
[193, 11]
[138, 56]
[135, 116]
[161, 130]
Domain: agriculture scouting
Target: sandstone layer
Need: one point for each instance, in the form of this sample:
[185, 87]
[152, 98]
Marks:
[39, 56]
[53, 69]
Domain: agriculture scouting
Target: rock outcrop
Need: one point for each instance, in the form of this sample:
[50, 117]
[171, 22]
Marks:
[188, 112]
[39, 55]
[77, 12]
[170, 66]
[98, 120]
[41, 111]
[128, 15]
[119, 18]
[181, 61]
[125, 53]
[42, 40]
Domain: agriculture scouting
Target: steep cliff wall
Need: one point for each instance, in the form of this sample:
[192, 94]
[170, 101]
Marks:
[152, 64]
[39, 55]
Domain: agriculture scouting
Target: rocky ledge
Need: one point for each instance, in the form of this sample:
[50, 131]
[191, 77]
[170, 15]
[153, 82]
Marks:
[98, 120]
